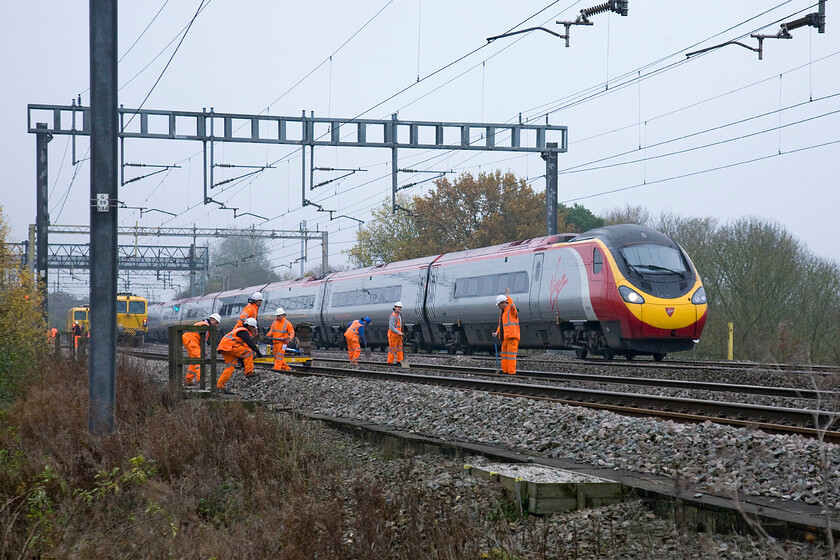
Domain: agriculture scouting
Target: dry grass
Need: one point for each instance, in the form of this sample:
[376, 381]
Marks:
[185, 479]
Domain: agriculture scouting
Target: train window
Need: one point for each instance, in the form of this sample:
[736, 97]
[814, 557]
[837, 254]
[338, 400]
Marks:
[472, 287]
[137, 307]
[597, 261]
[651, 258]
[537, 271]
[487, 285]
[367, 296]
[80, 315]
[121, 306]
[520, 283]
[491, 284]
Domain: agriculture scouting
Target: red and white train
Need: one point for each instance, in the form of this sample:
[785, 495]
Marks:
[617, 290]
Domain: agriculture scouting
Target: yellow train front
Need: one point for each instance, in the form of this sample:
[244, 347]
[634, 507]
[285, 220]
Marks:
[643, 291]
[132, 319]
[78, 315]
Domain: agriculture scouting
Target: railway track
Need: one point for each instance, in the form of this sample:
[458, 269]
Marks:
[806, 422]
[821, 370]
[782, 392]
[649, 363]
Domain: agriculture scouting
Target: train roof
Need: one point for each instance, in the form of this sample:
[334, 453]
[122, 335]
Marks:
[626, 234]
[306, 280]
[525, 245]
[421, 262]
[248, 290]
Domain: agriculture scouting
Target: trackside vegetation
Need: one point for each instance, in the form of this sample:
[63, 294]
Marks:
[24, 331]
[184, 479]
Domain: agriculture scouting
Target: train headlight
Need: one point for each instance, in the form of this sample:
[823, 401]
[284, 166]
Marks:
[699, 296]
[629, 295]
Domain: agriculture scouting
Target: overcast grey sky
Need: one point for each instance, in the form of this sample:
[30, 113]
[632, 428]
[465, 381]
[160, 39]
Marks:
[623, 86]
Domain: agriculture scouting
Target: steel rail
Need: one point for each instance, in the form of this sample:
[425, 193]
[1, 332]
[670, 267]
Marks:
[784, 392]
[819, 424]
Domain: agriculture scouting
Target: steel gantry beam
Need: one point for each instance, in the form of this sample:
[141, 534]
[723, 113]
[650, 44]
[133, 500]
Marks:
[395, 134]
[142, 231]
[134, 257]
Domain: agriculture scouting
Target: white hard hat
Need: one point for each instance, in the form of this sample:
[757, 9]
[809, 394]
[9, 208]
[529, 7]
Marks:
[216, 316]
[398, 304]
[280, 311]
[251, 322]
[500, 299]
[257, 295]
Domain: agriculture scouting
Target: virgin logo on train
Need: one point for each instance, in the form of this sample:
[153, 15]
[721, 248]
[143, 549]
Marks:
[669, 311]
[555, 286]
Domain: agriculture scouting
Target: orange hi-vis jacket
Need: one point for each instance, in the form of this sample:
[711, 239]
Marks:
[281, 330]
[231, 343]
[397, 324]
[509, 322]
[194, 337]
[353, 328]
[250, 310]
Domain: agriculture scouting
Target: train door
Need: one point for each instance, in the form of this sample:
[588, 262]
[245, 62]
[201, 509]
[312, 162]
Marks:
[596, 278]
[319, 324]
[536, 285]
[430, 307]
[421, 295]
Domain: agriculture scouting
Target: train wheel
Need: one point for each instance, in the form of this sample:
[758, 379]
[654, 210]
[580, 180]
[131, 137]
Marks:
[608, 353]
[658, 356]
[629, 355]
[581, 353]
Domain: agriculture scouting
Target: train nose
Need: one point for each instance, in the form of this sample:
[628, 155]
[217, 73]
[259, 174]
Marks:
[669, 320]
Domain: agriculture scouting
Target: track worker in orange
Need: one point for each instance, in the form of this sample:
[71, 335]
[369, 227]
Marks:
[355, 334]
[251, 310]
[395, 335]
[508, 332]
[192, 342]
[238, 343]
[77, 334]
[281, 334]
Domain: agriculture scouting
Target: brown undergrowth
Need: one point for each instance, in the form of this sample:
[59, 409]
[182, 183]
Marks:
[188, 479]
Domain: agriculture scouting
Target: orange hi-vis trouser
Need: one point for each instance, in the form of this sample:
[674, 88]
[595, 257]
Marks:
[279, 349]
[193, 351]
[509, 348]
[395, 348]
[231, 348]
[230, 358]
[354, 349]
[282, 332]
[192, 342]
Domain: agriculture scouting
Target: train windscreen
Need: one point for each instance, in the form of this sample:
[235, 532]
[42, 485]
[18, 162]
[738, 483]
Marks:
[138, 307]
[650, 258]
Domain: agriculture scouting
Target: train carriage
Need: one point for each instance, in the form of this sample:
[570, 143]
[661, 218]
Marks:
[463, 286]
[372, 292]
[300, 299]
[623, 289]
[161, 317]
[229, 305]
